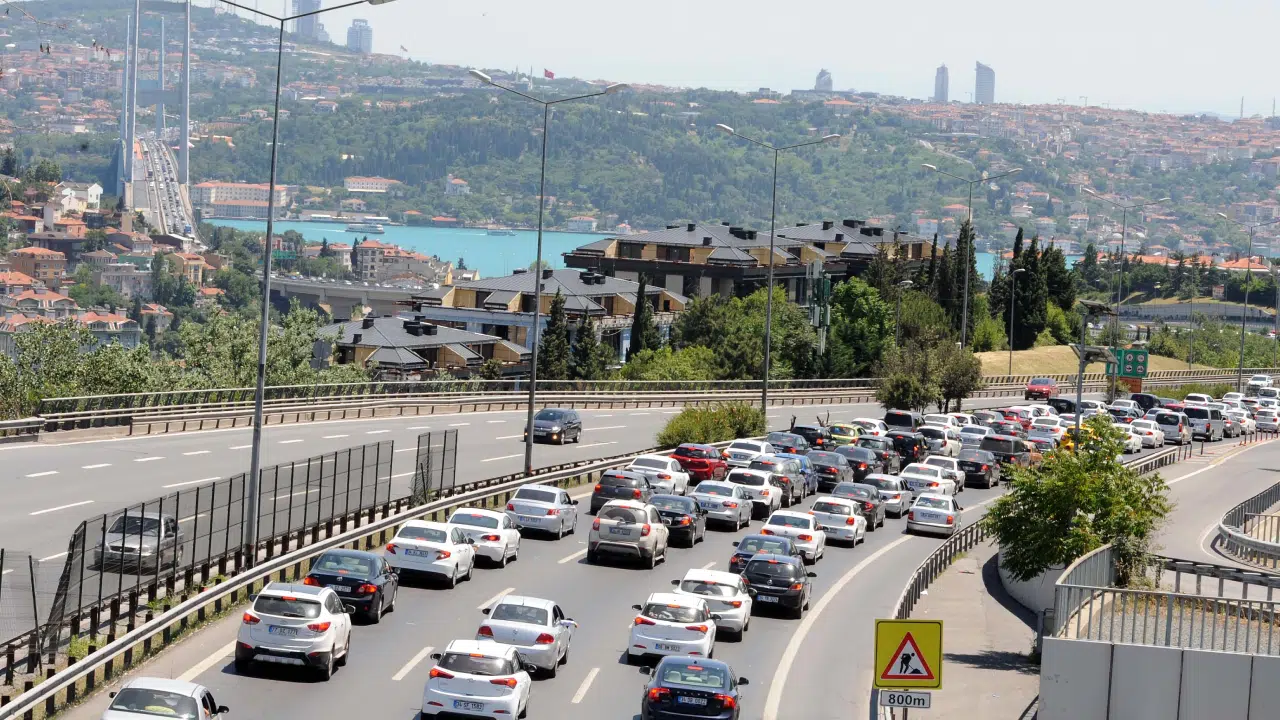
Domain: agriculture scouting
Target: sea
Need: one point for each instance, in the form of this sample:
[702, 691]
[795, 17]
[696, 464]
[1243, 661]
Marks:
[492, 255]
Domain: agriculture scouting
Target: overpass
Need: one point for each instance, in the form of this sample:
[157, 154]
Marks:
[338, 297]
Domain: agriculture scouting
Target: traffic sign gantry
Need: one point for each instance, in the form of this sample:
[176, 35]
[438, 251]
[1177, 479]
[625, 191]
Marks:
[908, 654]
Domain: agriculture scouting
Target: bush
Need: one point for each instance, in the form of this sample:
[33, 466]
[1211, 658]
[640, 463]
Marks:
[710, 425]
[1179, 392]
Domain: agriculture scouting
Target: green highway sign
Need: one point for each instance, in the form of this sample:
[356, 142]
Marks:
[1133, 363]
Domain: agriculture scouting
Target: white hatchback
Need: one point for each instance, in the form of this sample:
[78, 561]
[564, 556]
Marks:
[672, 624]
[1151, 434]
[841, 519]
[495, 535]
[291, 624]
[921, 478]
[740, 453]
[666, 475]
[477, 678]
[725, 593]
[803, 529]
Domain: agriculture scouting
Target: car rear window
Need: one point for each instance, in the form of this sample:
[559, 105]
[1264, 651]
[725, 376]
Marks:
[520, 614]
[846, 490]
[410, 532]
[899, 419]
[649, 463]
[344, 565]
[873, 443]
[772, 568]
[790, 521]
[974, 456]
[672, 613]
[767, 466]
[830, 507]
[708, 588]
[742, 478]
[745, 446]
[615, 480]
[825, 458]
[938, 462]
[546, 496]
[758, 544]
[717, 490]
[462, 517]
[1196, 413]
[476, 664]
[693, 452]
[673, 502]
[622, 514]
[1041, 381]
[974, 430]
[287, 606]
[144, 701]
[999, 445]
[881, 483]
[933, 433]
[683, 672]
[933, 503]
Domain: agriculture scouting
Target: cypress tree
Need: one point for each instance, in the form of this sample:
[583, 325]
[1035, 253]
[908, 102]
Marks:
[553, 346]
[644, 333]
[1017, 247]
[588, 358]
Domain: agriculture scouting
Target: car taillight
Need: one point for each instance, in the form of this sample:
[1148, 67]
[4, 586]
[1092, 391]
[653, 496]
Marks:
[250, 619]
[645, 530]
[984, 468]
[490, 538]
[599, 487]
[867, 506]
[391, 548]
[850, 521]
[545, 639]
[933, 484]
[367, 589]
[862, 466]
[438, 673]
[911, 515]
[735, 603]
[509, 682]
[484, 631]
[764, 492]
[829, 470]
[635, 494]
[664, 476]
[805, 538]
[696, 628]
[726, 702]
[644, 621]
[553, 511]
[511, 507]
[951, 519]
[730, 504]
[766, 531]
[308, 580]
[319, 627]
[595, 524]
[659, 694]
[685, 521]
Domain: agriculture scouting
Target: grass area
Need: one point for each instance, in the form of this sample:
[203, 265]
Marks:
[1056, 360]
[1199, 302]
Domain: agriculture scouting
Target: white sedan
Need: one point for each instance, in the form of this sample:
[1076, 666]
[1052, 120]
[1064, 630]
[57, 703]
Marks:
[871, 426]
[934, 513]
[921, 478]
[803, 529]
[950, 468]
[545, 508]
[942, 440]
[477, 677]
[495, 535]
[1247, 424]
[671, 624]
[740, 453]
[537, 628]
[841, 519]
[1132, 442]
[666, 475]
[1151, 434]
[434, 548]
[725, 594]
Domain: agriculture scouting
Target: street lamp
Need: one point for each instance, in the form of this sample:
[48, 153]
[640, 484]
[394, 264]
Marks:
[1088, 353]
[537, 279]
[964, 313]
[773, 219]
[897, 317]
[1013, 288]
[255, 457]
[1248, 277]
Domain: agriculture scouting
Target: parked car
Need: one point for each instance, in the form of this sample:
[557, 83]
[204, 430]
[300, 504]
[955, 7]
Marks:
[894, 493]
[832, 467]
[790, 443]
[903, 420]
[817, 436]
[980, 467]
[1040, 388]
[702, 462]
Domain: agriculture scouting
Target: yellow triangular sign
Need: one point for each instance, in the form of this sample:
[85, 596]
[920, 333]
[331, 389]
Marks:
[908, 663]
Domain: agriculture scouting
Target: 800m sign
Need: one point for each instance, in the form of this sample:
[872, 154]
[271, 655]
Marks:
[894, 698]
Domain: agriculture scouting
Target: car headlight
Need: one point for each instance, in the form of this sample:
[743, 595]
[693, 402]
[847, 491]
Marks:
[555, 429]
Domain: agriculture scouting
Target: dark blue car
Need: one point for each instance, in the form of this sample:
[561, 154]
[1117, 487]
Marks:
[810, 474]
[681, 688]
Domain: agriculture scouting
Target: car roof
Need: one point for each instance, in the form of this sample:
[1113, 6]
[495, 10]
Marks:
[766, 537]
[481, 647]
[713, 483]
[667, 458]
[936, 496]
[807, 427]
[836, 500]
[718, 576]
[526, 601]
[939, 457]
[671, 496]
[790, 513]
[670, 598]
[180, 687]
[788, 559]
[700, 446]
[479, 511]
[1001, 437]
[426, 525]
[748, 471]
[277, 589]
[633, 504]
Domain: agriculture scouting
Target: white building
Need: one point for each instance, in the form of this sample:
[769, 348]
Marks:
[368, 184]
[207, 193]
[581, 223]
[360, 37]
[456, 186]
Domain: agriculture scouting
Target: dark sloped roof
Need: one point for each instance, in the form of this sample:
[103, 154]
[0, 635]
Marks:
[398, 357]
[568, 282]
[391, 333]
[500, 299]
[524, 351]
[730, 255]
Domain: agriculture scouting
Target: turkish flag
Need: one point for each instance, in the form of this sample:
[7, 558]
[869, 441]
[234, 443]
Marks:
[548, 74]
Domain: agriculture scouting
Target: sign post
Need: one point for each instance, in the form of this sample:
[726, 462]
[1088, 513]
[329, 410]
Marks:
[908, 658]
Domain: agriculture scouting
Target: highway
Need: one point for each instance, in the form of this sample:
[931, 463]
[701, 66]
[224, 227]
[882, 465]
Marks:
[155, 184]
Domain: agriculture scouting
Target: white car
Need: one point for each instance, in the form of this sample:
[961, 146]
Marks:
[666, 475]
[1235, 396]
[1151, 434]
[1125, 404]
[480, 678]
[544, 508]
[758, 485]
[295, 624]
[1132, 442]
[1257, 382]
[725, 502]
[841, 519]
[933, 513]
[740, 453]
[1048, 427]
[1247, 424]
[435, 548]
[1038, 411]
[965, 419]
[943, 420]
[1268, 419]
[803, 529]
[1198, 398]
[535, 627]
[950, 468]
[942, 440]
[871, 426]
[671, 624]
[147, 697]
[495, 535]
[921, 478]
[726, 595]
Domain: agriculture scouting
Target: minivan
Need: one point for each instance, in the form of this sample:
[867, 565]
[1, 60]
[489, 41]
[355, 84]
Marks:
[1007, 449]
[903, 419]
[1176, 426]
[1206, 422]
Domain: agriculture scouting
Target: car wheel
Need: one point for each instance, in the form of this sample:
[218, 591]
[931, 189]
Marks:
[882, 520]
[346, 653]
[653, 559]
[502, 560]
[560, 530]
[551, 671]
[453, 579]
[471, 568]
[391, 607]
[565, 657]
[871, 526]
[374, 616]
[326, 671]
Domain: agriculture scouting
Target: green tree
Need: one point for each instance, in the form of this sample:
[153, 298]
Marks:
[910, 374]
[9, 163]
[1059, 281]
[553, 344]
[644, 332]
[491, 369]
[590, 357]
[44, 171]
[959, 374]
[1030, 299]
[861, 327]
[691, 363]
[965, 266]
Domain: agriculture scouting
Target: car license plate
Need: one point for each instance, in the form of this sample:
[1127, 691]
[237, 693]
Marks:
[526, 518]
[340, 589]
[467, 705]
[767, 598]
[619, 531]
[282, 631]
[709, 505]
[418, 553]
[666, 646]
[686, 700]
[930, 517]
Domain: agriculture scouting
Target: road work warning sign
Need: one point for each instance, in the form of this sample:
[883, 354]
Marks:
[908, 654]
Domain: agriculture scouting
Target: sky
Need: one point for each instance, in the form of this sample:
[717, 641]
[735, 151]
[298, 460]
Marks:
[1172, 56]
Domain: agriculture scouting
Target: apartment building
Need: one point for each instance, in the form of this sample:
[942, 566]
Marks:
[47, 266]
[368, 184]
[411, 348]
[238, 200]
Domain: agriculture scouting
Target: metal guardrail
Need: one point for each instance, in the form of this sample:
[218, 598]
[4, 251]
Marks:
[1249, 534]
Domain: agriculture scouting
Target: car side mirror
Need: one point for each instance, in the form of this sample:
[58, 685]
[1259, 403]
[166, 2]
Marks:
[646, 670]
[530, 668]
[436, 656]
[111, 694]
[223, 709]
[573, 502]
[717, 616]
[735, 543]
[675, 582]
[636, 607]
[486, 610]
[743, 681]
[751, 592]
[812, 574]
[348, 609]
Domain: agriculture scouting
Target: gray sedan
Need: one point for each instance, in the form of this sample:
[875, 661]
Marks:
[724, 502]
[545, 508]
[868, 498]
[894, 494]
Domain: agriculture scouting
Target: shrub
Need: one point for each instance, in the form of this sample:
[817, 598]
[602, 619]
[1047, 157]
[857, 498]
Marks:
[710, 425]
[1179, 392]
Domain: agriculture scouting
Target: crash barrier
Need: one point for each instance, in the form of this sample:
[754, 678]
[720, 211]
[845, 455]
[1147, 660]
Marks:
[1250, 533]
[67, 682]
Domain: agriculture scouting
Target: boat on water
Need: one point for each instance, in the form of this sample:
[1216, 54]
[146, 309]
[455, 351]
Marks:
[499, 231]
[371, 228]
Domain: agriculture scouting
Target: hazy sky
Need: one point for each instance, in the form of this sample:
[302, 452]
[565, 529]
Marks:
[1175, 55]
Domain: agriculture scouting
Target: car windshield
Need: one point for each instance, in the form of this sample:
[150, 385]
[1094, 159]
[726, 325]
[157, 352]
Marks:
[649, 463]
[824, 458]
[550, 415]
[852, 491]
[974, 456]
[519, 613]
[793, 521]
[622, 514]
[135, 525]
[475, 664]
[933, 433]
[827, 506]
[409, 532]
[1261, 378]
[936, 461]
[772, 568]
[462, 517]
[933, 503]
[709, 588]
[881, 483]
[745, 446]
[1197, 413]
[742, 478]
[619, 480]
[344, 565]
[717, 490]
[287, 606]
[672, 502]
[974, 430]
[155, 702]
[546, 496]
[1041, 381]
[683, 672]
[762, 544]
[672, 613]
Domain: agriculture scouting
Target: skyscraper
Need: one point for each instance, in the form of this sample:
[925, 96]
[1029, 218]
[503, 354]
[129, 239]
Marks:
[984, 87]
[824, 82]
[941, 84]
[308, 27]
[360, 37]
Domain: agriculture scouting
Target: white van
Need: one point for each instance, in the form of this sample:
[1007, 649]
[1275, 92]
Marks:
[1198, 398]
[1269, 392]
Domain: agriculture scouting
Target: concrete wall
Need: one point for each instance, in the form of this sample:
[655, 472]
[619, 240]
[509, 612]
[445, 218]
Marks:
[1036, 594]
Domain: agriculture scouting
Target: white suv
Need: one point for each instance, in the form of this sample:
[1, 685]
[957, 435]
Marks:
[295, 625]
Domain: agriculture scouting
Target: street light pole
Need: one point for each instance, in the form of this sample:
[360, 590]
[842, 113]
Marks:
[964, 312]
[250, 538]
[773, 220]
[1013, 289]
[1248, 278]
[897, 317]
[535, 332]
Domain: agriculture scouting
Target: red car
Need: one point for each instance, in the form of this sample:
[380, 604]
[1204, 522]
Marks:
[702, 462]
[1040, 389]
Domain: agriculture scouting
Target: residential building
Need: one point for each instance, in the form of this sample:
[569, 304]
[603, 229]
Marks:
[824, 83]
[412, 348]
[110, 328]
[97, 259]
[984, 87]
[13, 283]
[581, 224]
[341, 252]
[240, 209]
[456, 186]
[368, 184]
[207, 297]
[360, 37]
[158, 314]
[47, 266]
[126, 278]
[941, 84]
[39, 303]
[189, 266]
[69, 245]
[137, 243]
[213, 193]
[88, 196]
[380, 262]
[71, 227]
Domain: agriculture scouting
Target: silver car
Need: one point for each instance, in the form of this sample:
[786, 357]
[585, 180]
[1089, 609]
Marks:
[740, 453]
[545, 508]
[526, 623]
[629, 529]
[894, 493]
[971, 435]
[725, 502]
[145, 540]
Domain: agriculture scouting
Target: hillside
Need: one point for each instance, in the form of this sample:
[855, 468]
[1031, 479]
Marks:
[1057, 360]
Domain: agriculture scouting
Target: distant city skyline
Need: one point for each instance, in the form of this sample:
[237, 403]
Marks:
[984, 84]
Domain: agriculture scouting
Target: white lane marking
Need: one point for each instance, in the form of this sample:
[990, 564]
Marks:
[197, 452]
[458, 424]
[600, 416]
[406, 450]
[190, 482]
[419, 427]
[61, 507]
[290, 442]
[52, 557]
[584, 447]
[607, 427]
[413, 662]
[199, 668]
[585, 686]
[575, 556]
[671, 412]
[503, 457]
[501, 594]
[95, 467]
[149, 459]
[6, 572]
[403, 474]
[509, 437]
[494, 422]
[42, 474]
[638, 414]
[300, 492]
[375, 432]
[189, 518]
[1215, 463]
[240, 447]
[709, 565]
[334, 437]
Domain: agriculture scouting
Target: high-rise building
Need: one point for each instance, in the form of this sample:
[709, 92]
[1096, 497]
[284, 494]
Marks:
[984, 87]
[360, 37]
[941, 84]
[823, 83]
[307, 27]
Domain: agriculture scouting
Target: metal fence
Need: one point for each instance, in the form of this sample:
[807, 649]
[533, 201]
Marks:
[435, 465]
[1249, 533]
[936, 564]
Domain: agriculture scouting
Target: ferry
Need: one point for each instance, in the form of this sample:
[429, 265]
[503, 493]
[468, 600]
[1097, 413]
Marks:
[371, 228]
[500, 231]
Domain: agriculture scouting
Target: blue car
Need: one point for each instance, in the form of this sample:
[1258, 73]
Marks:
[810, 474]
[682, 687]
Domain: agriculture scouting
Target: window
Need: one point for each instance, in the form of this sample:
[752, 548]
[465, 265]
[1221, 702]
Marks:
[287, 607]
[410, 532]
[520, 614]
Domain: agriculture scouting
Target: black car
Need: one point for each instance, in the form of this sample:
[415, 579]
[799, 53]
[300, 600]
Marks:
[909, 445]
[1146, 401]
[832, 468]
[862, 461]
[778, 581]
[787, 443]
[819, 437]
[752, 545]
[1007, 449]
[883, 448]
[556, 425]
[980, 467]
[620, 485]
[362, 579]
[1008, 427]
[1062, 405]
[683, 687]
[682, 516]
[868, 498]
[903, 419]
